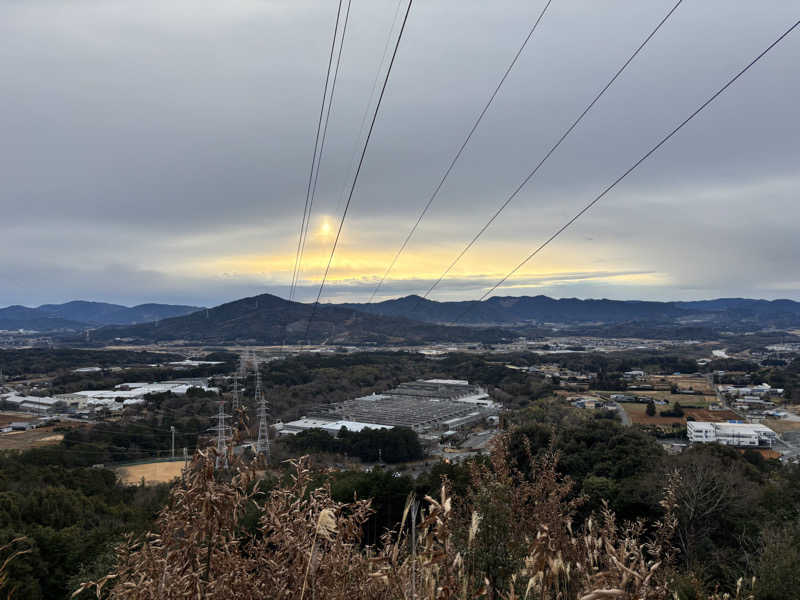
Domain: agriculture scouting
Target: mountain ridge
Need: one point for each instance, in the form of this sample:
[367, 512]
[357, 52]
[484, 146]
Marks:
[272, 320]
[509, 310]
[83, 314]
[282, 320]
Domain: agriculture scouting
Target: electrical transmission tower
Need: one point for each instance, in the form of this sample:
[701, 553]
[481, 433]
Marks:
[235, 400]
[223, 435]
[262, 445]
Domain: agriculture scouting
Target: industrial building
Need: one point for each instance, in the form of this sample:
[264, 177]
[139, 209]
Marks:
[425, 405]
[33, 404]
[455, 390]
[131, 393]
[328, 425]
[741, 435]
[419, 414]
[762, 390]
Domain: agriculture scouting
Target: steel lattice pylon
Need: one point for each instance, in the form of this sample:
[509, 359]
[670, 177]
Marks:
[262, 445]
[223, 435]
[235, 400]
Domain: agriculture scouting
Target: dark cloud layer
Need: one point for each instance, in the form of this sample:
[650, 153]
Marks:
[158, 151]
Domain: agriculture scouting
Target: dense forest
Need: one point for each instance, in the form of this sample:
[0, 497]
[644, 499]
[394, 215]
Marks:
[370, 445]
[31, 361]
[71, 518]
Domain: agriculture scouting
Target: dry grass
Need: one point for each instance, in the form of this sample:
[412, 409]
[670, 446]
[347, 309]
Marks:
[511, 538]
[782, 425]
[34, 438]
[8, 554]
[155, 472]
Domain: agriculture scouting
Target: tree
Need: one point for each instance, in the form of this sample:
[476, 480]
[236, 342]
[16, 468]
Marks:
[651, 408]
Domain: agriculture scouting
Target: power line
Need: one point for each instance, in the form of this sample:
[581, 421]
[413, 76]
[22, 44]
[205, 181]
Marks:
[314, 156]
[354, 152]
[89, 427]
[360, 164]
[322, 143]
[460, 151]
[547, 155]
[634, 166]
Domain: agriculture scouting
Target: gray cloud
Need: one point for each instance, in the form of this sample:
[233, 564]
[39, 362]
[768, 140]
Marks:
[141, 140]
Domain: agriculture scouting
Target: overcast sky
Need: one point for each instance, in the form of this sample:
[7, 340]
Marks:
[159, 150]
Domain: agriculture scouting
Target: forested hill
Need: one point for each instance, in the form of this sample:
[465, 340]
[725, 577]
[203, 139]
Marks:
[504, 310]
[510, 309]
[268, 319]
[273, 320]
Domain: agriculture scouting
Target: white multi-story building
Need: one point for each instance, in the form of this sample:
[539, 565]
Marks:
[741, 435]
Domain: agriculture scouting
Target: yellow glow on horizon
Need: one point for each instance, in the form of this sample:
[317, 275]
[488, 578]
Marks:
[364, 267]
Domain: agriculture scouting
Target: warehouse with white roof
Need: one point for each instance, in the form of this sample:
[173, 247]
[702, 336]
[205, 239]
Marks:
[740, 435]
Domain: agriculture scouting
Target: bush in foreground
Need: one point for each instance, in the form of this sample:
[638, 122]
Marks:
[510, 537]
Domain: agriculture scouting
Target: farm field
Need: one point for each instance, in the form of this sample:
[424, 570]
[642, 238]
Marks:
[6, 418]
[155, 472]
[24, 440]
[639, 416]
[670, 398]
[637, 413]
[684, 382]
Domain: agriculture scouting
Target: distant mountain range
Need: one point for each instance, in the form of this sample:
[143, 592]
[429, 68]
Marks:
[541, 310]
[80, 315]
[500, 310]
[268, 319]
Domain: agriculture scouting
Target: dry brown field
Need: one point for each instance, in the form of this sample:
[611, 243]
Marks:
[669, 397]
[7, 418]
[767, 454]
[638, 415]
[155, 472]
[24, 440]
[782, 425]
[714, 416]
[684, 382]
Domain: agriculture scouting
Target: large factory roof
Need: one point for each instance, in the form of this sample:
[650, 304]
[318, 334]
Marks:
[399, 411]
[420, 405]
[332, 427]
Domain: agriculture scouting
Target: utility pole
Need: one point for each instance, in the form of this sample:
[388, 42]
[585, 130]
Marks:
[172, 431]
[262, 445]
[223, 435]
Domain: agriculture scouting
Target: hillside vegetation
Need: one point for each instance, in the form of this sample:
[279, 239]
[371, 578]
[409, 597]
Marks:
[267, 319]
[517, 532]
